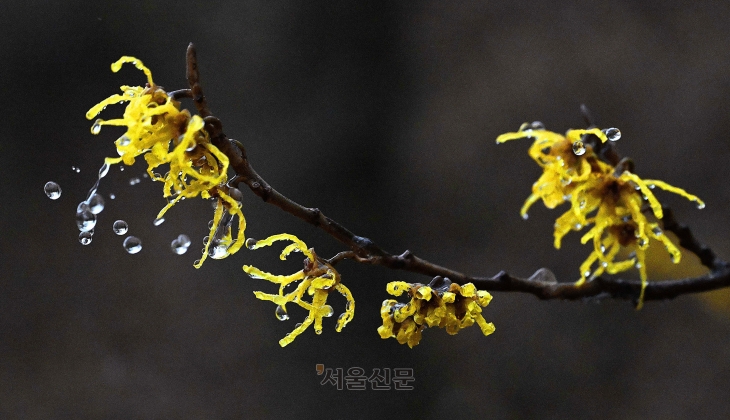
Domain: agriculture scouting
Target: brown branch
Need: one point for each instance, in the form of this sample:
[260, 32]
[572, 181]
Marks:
[542, 284]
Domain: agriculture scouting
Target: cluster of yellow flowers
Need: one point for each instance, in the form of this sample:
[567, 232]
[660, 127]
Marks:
[607, 197]
[166, 135]
[317, 278]
[440, 304]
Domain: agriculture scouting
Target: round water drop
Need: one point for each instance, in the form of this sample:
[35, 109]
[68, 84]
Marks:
[53, 190]
[123, 141]
[112, 196]
[235, 194]
[120, 227]
[85, 238]
[656, 230]
[96, 128]
[103, 170]
[132, 244]
[587, 274]
[96, 203]
[180, 244]
[184, 240]
[613, 134]
[134, 181]
[121, 169]
[328, 311]
[251, 243]
[158, 221]
[299, 324]
[525, 216]
[85, 220]
[700, 204]
[341, 319]
[579, 148]
[674, 258]
[75, 169]
[210, 224]
[318, 331]
[637, 265]
[281, 314]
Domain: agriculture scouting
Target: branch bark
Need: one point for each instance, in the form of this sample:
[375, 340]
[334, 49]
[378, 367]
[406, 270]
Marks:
[542, 283]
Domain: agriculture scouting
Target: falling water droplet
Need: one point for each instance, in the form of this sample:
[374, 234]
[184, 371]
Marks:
[120, 227]
[112, 196]
[158, 221]
[134, 181]
[121, 169]
[96, 128]
[180, 244]
[75, 169]
[579, 148]
[85, 238]
[132, 244]
[85, 220]
[613, 134]
[53, 190]
[96, 204]
[281, 314]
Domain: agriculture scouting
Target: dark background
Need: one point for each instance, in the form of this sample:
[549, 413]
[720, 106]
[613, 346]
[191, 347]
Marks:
[384, 115]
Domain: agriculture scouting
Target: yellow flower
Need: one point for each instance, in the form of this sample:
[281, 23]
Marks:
[166, 135]
[599, 194]
[318, 279]
[440, 304]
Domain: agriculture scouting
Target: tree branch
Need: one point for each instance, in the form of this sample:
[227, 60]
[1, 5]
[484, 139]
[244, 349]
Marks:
[542, 283]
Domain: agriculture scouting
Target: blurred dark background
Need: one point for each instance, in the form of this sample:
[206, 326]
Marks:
[384, 115]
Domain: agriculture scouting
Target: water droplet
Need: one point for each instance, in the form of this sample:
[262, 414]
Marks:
[96, 204]
[218, 251]
[565, 181]
[85, 238]
[603, 248]
[103, 170]
[642, 242]
[235, 194]
[75, 169]
[525, 216]
[578, 226]
[651, 186]
[604, 264]
[120, 227]
[281, 314]
[158, 221]
[700, 204]
[53, 190]
[96, 128]
[85, 220]
[613, 134]
[112, 196]
[250, 243]
[632, 255]
[328, 311]
[674, 258]
[579, 148]
[299, 324]
[637, 265]
[341, 318]
[656, 230]
[582, 204]
[134, 181]
[318, 331]
[587, 274]
[210, 224]
[145, 175]
[123, 141]
[537, 125]
[121, 169]
[132, 244]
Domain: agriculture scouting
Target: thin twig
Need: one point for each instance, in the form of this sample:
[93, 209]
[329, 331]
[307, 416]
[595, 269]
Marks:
[542, 283]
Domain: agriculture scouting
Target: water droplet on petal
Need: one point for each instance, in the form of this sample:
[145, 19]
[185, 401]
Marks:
[587, 274]
[281, 314]
[637, 265]
[123, 141]
[158, 221]
[537, 125]
[604, 264]
[120, 227]
[53, 190]
[318, 331]
[328, 311]
[85, 238]
[700, 204]
[656, 230]
[210, 224]
[299, 324]
[250, 243]
[96, 204]
[525, 216]
[132, 244]
[579, 148]
[85, 220]
[96, 127]
[613, 134]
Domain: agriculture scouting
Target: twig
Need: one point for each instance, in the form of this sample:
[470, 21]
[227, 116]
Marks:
[542, 284]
